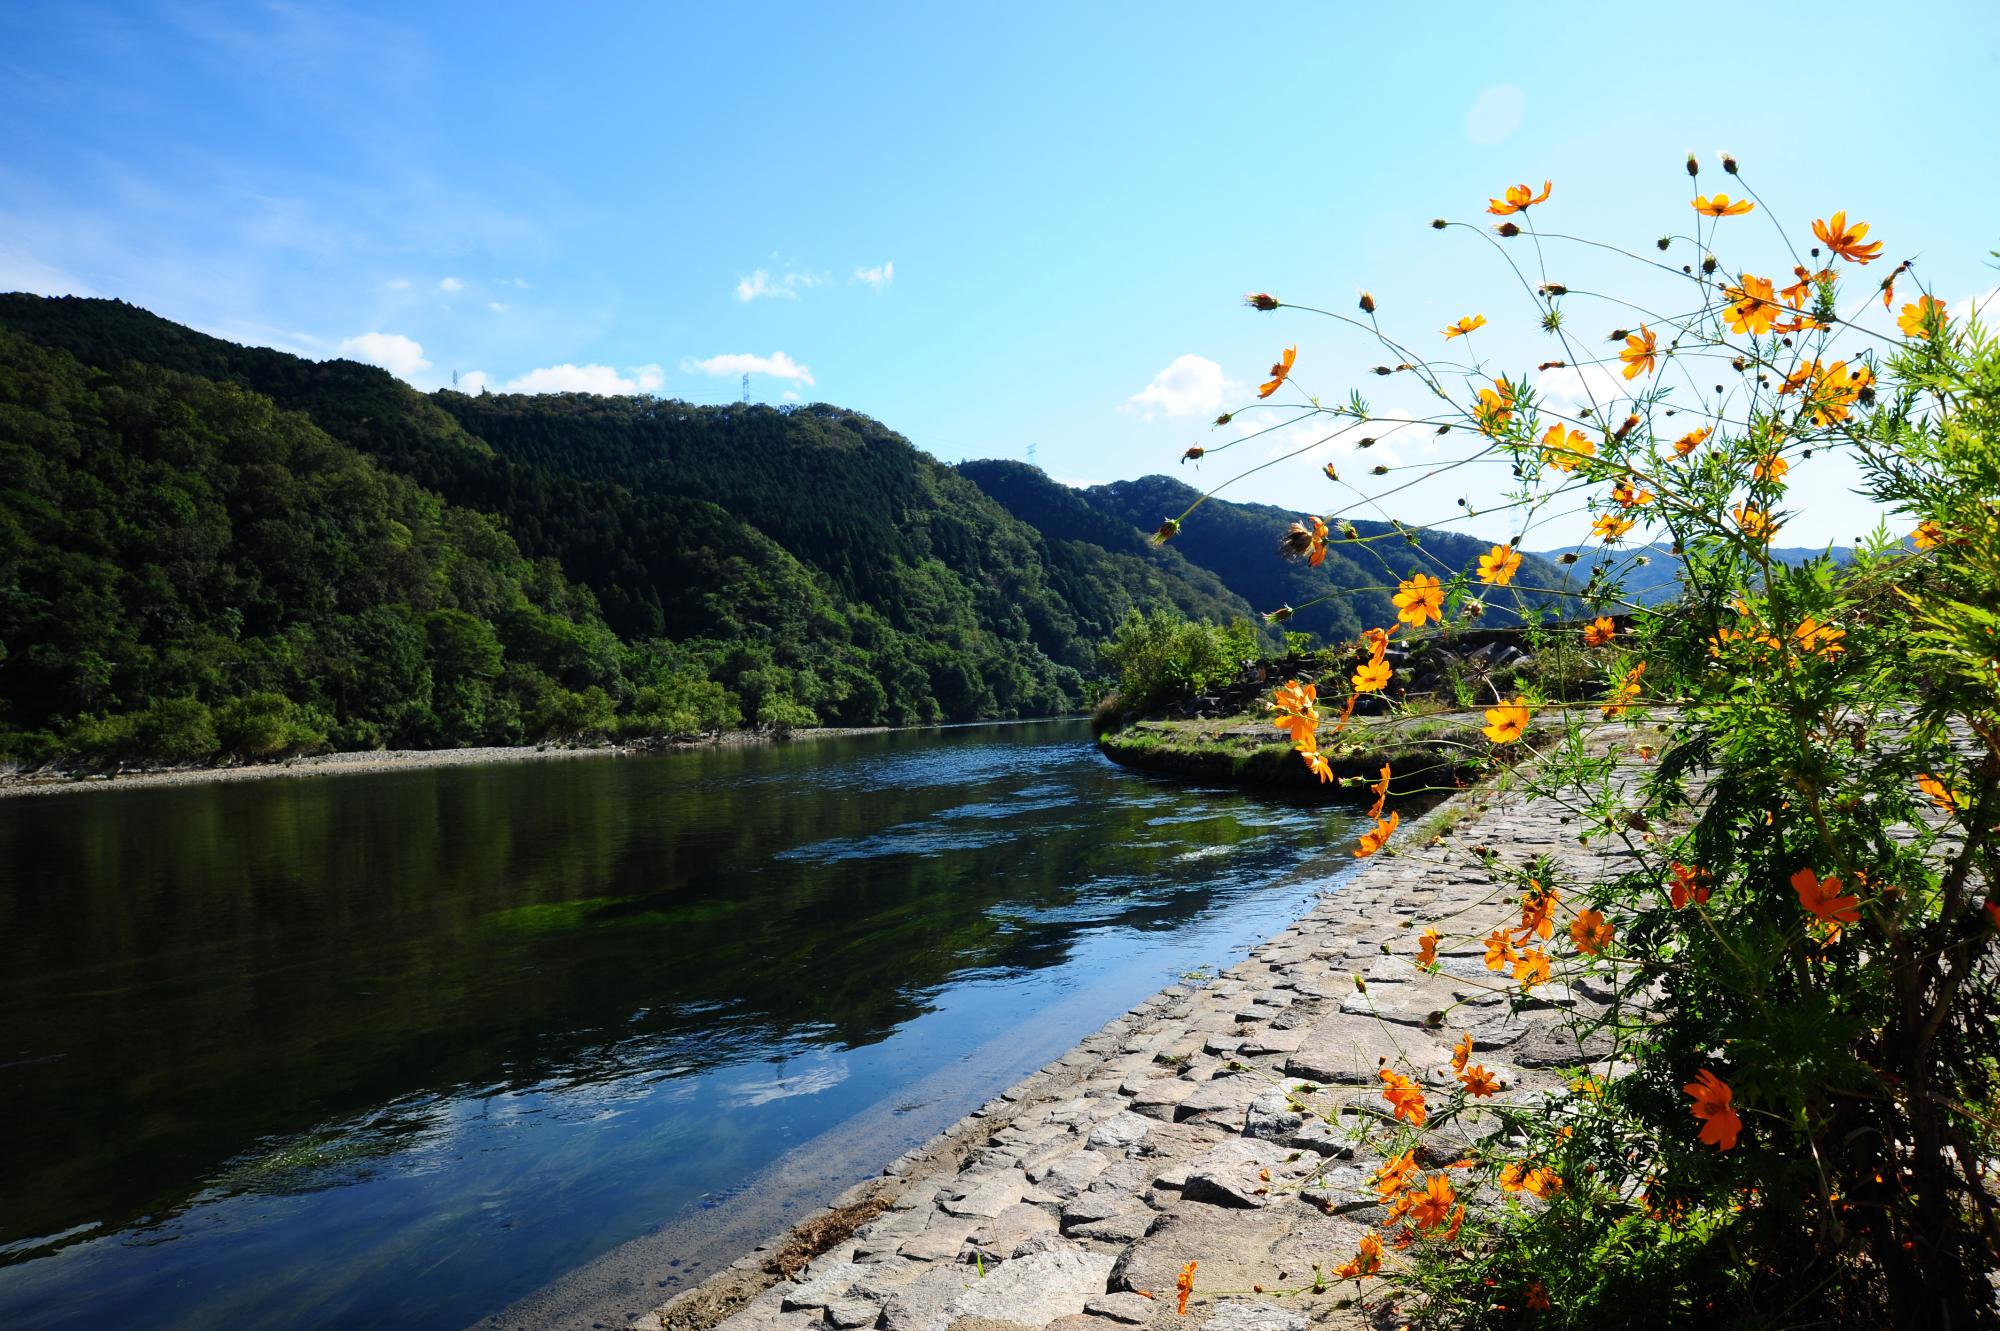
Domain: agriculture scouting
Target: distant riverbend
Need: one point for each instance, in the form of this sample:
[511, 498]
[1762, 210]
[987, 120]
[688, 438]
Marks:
[404, 1051]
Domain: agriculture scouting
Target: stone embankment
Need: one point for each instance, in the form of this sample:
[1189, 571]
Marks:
[1170, 1136]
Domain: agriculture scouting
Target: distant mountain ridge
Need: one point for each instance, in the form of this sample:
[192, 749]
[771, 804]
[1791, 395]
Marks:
[710, 563]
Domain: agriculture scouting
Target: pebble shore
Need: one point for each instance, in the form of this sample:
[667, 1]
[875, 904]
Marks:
[1167, 1137]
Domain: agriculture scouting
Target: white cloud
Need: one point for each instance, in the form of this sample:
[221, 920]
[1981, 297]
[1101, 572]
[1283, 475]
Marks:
[451, 286]
[1075, 482]
[398, 284]
[787, 284]
[520, 282]
[600, 379]
[497, 307]
[778, 365]
[877, 277]
[399, 355]
[789, 396]
[1495, 113]
[1573, 387]
[1983, 305]
[1190, 386]
[474, 381]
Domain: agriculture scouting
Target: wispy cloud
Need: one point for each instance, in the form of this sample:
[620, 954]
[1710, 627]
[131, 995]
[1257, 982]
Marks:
[777, 365]
[602, 380]
[498, 307]
[878, 277]
[399, 355]
[786, 285]
[1190, 386]
[451, 286]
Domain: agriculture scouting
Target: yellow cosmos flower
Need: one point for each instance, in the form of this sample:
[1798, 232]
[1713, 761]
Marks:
[1419, 600]
[1641, 353]
[1845, 240]
[1499, 565]
[1505, 722]
[1720, 206]
[1464, 326]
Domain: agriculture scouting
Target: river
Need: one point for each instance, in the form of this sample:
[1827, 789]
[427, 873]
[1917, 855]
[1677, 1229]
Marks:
[403, 1049]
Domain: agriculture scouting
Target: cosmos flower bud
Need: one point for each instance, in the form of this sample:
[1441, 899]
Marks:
[1474, 608]
[1554, 289]
[1619, 335]
[1367, 303]
[1383, 369]
[1663, 242]
[1729, 163]
[1694, 167]
[1365, 443]
[1349, 532]
[1379, 470]
[1225, 418]
[1193, 454]
[1279, 616]
[1566, 557]
[1261, 300]
[1508, 230]
[1552, 365]
[1331, 474]
[1438, 224]
[1167, 531]
[1709, 265]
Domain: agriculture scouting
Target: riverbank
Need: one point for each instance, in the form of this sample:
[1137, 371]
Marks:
[1430, 754]
[1167, 1137]
[379, 760]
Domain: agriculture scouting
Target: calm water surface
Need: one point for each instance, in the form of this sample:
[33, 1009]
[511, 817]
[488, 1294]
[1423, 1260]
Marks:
[401, 1049]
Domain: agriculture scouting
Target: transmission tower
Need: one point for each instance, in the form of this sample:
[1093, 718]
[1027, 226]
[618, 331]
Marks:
[746, 388]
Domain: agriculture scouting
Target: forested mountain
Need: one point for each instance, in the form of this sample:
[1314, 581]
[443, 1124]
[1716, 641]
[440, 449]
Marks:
[193, 528]
[1237, 543]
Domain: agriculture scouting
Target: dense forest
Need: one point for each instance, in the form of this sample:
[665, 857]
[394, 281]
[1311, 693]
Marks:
[214, 550]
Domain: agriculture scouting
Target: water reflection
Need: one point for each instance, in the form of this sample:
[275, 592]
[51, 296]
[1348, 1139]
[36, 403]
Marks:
[401, 1047]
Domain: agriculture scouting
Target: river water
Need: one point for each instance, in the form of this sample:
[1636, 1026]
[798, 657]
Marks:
[403, 1049]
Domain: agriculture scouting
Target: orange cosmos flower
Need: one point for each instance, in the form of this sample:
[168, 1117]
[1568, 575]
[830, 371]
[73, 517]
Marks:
[1627, 494]
[1499, 565]
[1599, 631]
[1371, 676]
[1464, 326]
[1690, 884]
[1377, 836]
[1395, 1176]
[1625, 692]
[1927, 536]
[1280, 372]
[1770, 469]
[1404, 1096]
[1917, 320]
[1500, 953]
[1819, 639]
[1542, 1182]
[1419, 600]
[1297, 714]
[1367, 1259]
[1939, 793]
[1752, 307]
[1376, 641]
[1538, 906]
[1495, 407]
[1536, 1299]
[1302, 541]
[1427, 948]
[1755, 523]
[1719, 1123]
[1591, 932]
[1461, 1053]
[1519, 198]
[1478, 1081]
[1565, 450]
[1688, 442]
[1795, 295]
[1316, 763]
[1720, 206]
[1531, 968]
[1505, 723]
[1845, 241]
[1380, 790]
[1822, 900]
[1185, 1286]
[1641, 353]
[1610, 527]
[1433, 1207]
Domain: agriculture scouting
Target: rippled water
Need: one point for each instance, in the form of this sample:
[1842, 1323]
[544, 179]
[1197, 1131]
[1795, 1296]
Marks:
[400, 1049]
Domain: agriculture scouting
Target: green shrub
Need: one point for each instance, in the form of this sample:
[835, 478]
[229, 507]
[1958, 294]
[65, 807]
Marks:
[267, 725]
[1164, 656]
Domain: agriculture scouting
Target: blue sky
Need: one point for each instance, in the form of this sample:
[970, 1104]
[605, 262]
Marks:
[988, 228]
